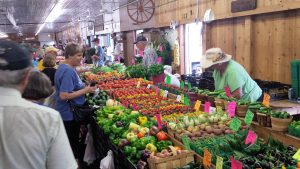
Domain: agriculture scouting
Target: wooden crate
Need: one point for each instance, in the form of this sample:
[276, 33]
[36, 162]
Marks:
[171, 162]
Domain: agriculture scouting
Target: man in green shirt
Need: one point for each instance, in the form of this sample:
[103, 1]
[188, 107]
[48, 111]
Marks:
[229, 73]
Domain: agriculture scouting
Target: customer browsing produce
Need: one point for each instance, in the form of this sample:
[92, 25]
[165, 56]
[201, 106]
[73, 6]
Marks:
[229, 73]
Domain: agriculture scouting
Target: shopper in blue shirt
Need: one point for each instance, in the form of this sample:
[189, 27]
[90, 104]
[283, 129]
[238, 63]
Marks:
[69, 87]
[99, 57]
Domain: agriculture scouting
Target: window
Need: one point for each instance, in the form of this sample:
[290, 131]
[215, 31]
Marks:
[193, 47]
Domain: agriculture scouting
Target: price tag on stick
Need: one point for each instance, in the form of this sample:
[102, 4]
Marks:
[178, 98]
[297, 155]
[148, 86]
[182, 98]
[207, 107]
[235, 124]
[249, 117]
[207, 158]
[219, 164]
[168, 79]
[197, 105]
[231, 108]
[235, 164]
[166, 93]
[227, 91]
[266, 101]
[182, 84]
[251, 137]
[159, 122]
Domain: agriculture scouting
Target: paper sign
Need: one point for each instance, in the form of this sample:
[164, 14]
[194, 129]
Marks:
[235, 164]
[168, 79]
[160, 48]
[145, 80]
[297, 155]
[251, 137]
[235, 124]
[212, 109]
[156, 90]
[138, 84]
[227, 91]
[197, 105]
[207, 158]
[133, 61]
[161, 93]
[148, 86]
[186, 142]
[219, 109]
[266, 101]
[231, 108]
[249, 117]
[141, 53]
[158, 60]
[166, 93]
[178, 98]
[189, 86]
[182, 84]
[206, 107]
[182, 98]
[186, 101]
[219, 164]
[158, 119]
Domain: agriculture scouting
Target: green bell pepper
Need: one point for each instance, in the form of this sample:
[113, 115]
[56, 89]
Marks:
[115, 129]
[130, 151]
[163, 145]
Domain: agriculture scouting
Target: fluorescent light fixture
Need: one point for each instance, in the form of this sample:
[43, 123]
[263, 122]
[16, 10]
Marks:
[55, 12]
[3, 35]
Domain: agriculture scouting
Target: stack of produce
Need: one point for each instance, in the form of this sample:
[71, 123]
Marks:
[136, 135]
[294, 128]
[120, 68]
[196, 125]
[97, 99]
[269, 154]
[127, 83]
[103, 76]
[147, 102]
[136, 71]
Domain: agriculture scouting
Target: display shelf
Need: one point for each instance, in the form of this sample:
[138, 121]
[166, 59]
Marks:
[265, 132]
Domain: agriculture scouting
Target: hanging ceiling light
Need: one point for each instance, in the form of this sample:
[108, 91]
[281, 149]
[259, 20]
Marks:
[55, 12]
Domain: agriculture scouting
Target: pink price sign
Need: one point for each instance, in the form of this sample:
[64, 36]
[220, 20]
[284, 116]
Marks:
[207, 107]
[141, 53]
[156, 90]
[251, 137]
[160, 48]
[134, 107]
[231, 108]
[133, 61]
[227, 91]
[158, 119]
[235, 164]
[158, 60]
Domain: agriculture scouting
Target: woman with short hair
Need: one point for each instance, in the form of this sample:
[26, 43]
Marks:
[49, 63]
[70, 88]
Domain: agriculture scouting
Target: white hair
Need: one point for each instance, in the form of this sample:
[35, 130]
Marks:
[12, 79]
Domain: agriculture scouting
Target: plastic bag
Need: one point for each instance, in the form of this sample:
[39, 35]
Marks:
[108, 161]
[89, 154]
[51, 101]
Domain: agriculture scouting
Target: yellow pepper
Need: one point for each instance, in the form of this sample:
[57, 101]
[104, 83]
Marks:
[151, 147]
[143, 120]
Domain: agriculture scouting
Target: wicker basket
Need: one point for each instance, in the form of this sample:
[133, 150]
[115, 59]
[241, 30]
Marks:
[211, 99]
[241, 110]
[280, 124]
[220, 102]
[264, 120]
[171, 162]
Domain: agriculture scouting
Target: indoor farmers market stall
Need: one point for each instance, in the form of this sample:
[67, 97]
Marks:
[150, 84]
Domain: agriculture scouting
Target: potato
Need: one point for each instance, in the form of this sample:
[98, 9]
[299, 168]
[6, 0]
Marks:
[217, 131]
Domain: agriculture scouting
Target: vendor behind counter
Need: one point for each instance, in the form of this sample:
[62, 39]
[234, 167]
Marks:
[228, 72]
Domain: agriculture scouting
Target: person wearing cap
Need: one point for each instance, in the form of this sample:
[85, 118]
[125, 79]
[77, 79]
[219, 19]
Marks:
[32, 136]
[49, 50]
[70, 88]
[150, 55]
[229, 73]
[99, 56]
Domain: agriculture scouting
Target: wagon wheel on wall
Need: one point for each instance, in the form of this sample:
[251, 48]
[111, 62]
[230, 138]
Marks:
[141, 11]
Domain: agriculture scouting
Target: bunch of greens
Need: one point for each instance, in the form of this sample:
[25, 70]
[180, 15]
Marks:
[118, 67]
[137, 71]
[155, 70]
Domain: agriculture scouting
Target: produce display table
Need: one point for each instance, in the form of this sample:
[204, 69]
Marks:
[285, 105]
[285, 138]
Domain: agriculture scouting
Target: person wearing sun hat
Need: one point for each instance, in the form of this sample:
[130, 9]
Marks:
[229, 73]
[32, 136]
